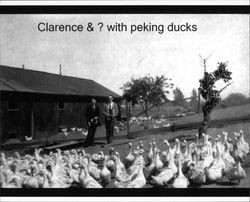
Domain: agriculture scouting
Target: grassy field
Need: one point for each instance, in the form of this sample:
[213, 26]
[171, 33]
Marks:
[230, 112]
[236, 111]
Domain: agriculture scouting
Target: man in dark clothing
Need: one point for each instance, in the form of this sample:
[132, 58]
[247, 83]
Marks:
[110, 112]
[93, 120]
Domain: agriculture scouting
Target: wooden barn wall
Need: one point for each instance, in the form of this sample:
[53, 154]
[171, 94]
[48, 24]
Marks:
[3, 106]
[74, 114]
[15, 123]
[47, 116]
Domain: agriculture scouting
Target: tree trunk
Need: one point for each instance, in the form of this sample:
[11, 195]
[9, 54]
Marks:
[146, 112]
[204, 126]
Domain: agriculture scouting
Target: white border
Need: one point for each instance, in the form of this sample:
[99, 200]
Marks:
[128, 2]
[121, 2]
[123, 199]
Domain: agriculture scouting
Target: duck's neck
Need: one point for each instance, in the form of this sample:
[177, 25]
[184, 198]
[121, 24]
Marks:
[45, 180]
[130, 150]
[104, 164]
[119, 160]
[171, 159]
[190, 152]
[151, 147]
[3, 160]
[157, 159]
[3, 180]
[241, 138]
[226, 147]
[186, 149]
[225, 137]
[141, 174]
[180, 174]
[218, 150]
[110, 153]
[86, 171]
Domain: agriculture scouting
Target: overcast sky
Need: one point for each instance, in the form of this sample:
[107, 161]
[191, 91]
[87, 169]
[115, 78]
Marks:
[112, 58]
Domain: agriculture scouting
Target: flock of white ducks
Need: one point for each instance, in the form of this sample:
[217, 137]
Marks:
[179, 166]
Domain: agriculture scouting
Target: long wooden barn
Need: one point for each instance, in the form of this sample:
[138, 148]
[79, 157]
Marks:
[34, 102]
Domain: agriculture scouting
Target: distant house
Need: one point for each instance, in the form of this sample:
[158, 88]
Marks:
[34, 102]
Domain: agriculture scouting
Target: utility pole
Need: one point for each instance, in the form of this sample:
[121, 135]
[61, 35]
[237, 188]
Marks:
[128, 117]
[204, 62]
[60, 69]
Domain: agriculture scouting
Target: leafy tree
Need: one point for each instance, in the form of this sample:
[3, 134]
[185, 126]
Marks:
[210, 94]
[235, 99]
[178, 96]
[146, 91]
[194, 100]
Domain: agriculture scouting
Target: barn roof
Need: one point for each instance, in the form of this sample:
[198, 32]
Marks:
[31, 81]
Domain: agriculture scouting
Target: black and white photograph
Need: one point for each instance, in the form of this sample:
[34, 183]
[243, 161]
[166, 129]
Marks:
[134, 101]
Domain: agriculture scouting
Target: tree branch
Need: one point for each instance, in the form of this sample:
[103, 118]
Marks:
[144, 110]
[224, 87]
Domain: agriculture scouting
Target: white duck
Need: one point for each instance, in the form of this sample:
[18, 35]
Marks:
[140, 180]
[150, 154]
[105, 175]
[28, 138]
[215, 171]
[230, 145]
[185, 152]
[225, 136]
[235, 172]
[228, 159]
[221, 143]
[120, 172]
[242, 143]
[134, 168]
[163, 177]
[79, 129]
[136, 180]
[5, 183]
[166, 154]
[84, 132]
[166, 174]
[88, 181]
[32, 181]
[73, 173]
[195, 173]
[97, 157]
[45, 183]
[206, 153]
[110, 162]
[158, 162]
[237, 151]
[129, 158]
[93, 169]
[180, 181]
[177, 151]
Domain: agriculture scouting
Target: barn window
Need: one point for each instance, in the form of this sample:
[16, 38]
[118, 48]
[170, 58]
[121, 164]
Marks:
[61, 105]
[12, 105]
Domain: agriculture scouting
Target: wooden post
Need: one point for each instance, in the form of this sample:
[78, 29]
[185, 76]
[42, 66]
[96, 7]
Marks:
[1, 122]
[46, 138]
[32, 120]
[199, 101]
[127, 117]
